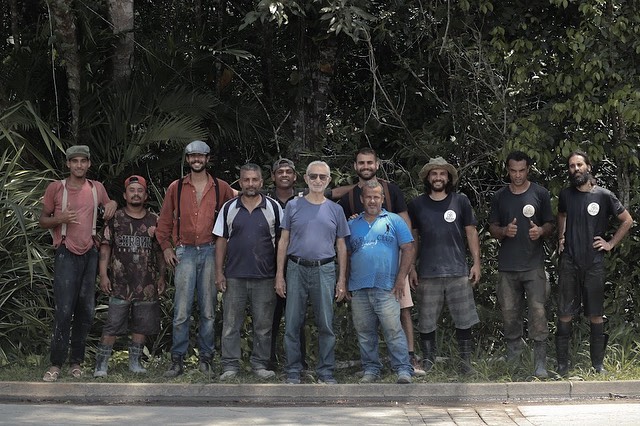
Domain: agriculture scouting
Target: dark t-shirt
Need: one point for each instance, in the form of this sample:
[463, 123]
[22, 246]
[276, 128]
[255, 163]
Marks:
[588, 216]
[441, 226]
[398, 203]
[133, 271]
[520, 253]
[251, 238]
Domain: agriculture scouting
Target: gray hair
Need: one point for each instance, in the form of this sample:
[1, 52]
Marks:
[318, 163]
[251, 167]
[373, 184]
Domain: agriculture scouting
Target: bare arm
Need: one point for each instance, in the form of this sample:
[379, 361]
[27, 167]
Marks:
[281, 262]
[341, 285]
[408, 255]
[474, 247]
[626, 221]
[562, 223]
[162, 271]
[413, 274]
[103, 266]
[221, 254]
[340, 191]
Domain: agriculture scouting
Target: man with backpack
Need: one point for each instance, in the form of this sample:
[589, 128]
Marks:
[184, 229]
[70, 211]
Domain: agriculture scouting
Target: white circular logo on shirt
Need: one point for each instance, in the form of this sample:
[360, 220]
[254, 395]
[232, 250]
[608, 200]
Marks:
[528, 210]
[449, 216]
[593, 209]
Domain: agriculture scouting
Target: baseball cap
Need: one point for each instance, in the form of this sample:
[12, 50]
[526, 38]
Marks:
[283, 162]
[135, 179]
[77, 151]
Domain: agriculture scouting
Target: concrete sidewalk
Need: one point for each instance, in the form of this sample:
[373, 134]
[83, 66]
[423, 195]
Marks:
[312, 394]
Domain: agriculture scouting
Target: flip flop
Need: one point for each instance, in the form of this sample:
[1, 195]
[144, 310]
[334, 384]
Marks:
[75, 371]
[51, 375]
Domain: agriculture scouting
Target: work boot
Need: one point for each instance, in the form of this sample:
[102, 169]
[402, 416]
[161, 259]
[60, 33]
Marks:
[135, 352]
[465, 347]
[514, 349]
[205, 364]
[102, 360]
[177, 366]
[428, 348]
[596, 350]
[563, 336]
[540, 360]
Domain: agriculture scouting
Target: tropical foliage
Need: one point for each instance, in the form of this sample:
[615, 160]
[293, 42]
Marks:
[469, 80]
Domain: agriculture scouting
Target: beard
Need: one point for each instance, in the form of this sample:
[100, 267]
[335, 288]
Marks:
[579, 179]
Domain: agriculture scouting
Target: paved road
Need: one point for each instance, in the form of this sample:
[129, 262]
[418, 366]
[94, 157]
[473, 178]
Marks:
[561, 414]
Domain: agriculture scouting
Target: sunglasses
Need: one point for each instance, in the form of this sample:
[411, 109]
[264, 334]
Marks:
[314, 176]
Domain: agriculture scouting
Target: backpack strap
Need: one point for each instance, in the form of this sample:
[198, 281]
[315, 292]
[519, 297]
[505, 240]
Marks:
[65, 199]
[178, 209]
[352, 203]
[387, 194]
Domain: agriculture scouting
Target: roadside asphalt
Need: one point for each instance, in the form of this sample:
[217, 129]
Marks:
[215, 394]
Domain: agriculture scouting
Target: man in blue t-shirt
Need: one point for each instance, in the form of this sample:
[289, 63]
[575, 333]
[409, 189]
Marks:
[584, 210]
[376, 282]
[247, 229]
[313, 230]
[442, 220]
[520, 219]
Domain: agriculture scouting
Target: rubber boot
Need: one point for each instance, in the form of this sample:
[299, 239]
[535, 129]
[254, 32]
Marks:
[540, 360]
[102, 360]
[465, 347]
[514, 349]
[177, 366]
[598, 343]
[563, 336]
[205, 365]
[428, 348]
[135, 352]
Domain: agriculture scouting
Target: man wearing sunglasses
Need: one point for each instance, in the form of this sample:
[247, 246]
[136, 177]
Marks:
[313, 230]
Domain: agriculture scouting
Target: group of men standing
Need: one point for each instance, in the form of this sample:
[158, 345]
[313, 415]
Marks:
[282, 251]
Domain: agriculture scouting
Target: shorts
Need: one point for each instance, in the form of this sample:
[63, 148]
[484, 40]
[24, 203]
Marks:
[145, 317]
[406, 301]
[580, 287]
[459, 295]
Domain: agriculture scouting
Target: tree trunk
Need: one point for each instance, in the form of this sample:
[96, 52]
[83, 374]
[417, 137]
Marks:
[121, 16]
[15, 23]
[316, 61]
[67, 40]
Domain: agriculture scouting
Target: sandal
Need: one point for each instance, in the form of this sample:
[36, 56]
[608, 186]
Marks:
[51, 375]
[75, 371]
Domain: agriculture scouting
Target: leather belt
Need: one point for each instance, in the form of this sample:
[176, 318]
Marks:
[305, 262]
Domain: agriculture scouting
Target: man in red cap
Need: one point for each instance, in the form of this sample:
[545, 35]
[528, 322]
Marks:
[132, 271]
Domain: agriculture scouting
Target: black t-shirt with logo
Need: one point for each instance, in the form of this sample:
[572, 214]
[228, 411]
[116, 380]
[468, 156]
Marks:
[520, 253]
[588, 215]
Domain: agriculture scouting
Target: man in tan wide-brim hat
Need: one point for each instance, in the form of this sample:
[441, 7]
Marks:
[440, 217]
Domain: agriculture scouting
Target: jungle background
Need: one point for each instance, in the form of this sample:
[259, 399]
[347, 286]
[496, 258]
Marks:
[469, 80]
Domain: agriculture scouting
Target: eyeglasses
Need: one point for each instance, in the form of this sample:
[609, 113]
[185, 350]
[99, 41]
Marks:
[314, 176]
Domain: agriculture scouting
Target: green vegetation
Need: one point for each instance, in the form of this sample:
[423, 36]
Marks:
[316, 79]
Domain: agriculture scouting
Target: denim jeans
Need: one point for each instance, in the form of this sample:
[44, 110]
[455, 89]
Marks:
[371, 307]
[74, 292]
[262, 299]
[194, 274]
[316, 284]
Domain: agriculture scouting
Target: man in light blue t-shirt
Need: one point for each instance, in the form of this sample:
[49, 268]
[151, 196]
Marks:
[313, 231]
[376, 282]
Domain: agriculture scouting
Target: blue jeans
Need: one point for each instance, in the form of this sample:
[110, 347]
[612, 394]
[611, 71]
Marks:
[194, 274]
[262, 299]
[371, 307]
[74, 292]
[317, 284]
